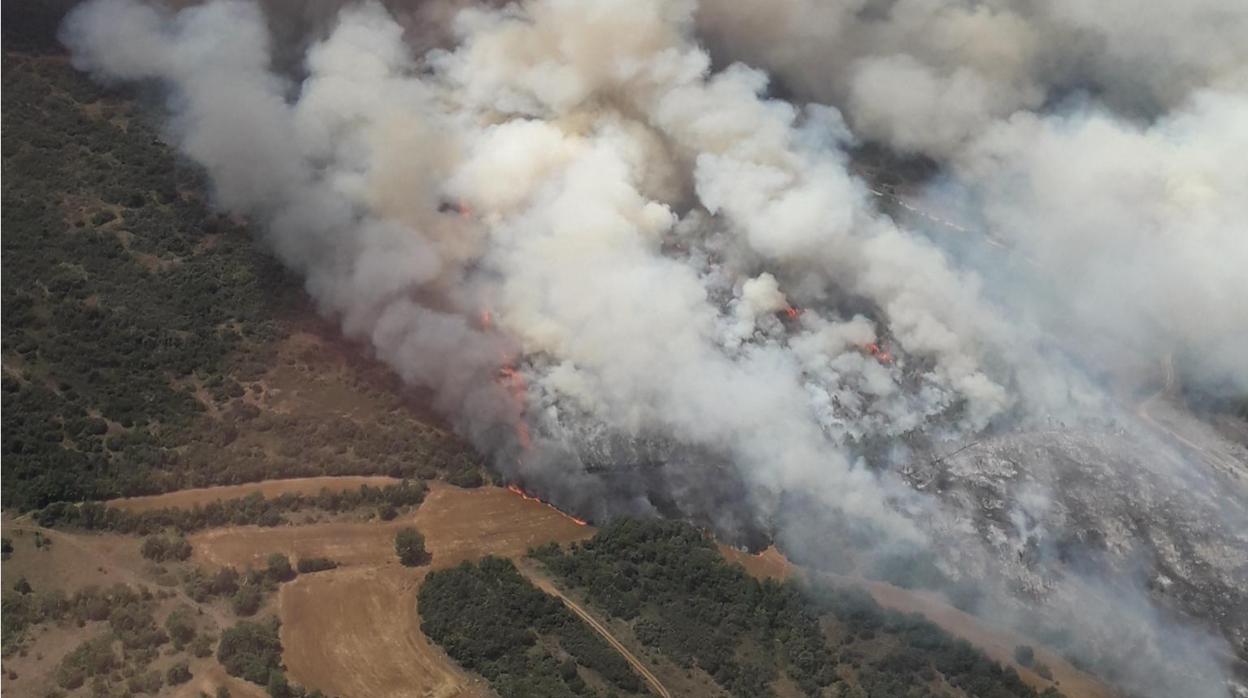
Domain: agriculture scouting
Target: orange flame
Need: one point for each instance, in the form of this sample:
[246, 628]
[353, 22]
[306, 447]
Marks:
[515, 489]
[792, 312]
[882, 355]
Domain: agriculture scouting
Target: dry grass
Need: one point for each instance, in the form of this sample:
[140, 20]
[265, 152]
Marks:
[355, 632]
[186, 499]
[457, 524]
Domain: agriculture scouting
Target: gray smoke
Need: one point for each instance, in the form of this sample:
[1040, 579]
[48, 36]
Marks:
[598, 241]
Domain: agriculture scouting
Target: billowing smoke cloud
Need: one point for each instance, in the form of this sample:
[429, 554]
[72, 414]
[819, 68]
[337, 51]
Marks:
[1099, 140]
[601, 244]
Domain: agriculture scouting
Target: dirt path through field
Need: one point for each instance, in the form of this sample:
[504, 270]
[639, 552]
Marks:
[546, 585]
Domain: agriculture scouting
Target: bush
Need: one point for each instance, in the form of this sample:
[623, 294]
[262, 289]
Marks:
[181, 626]
[160, 548]
[409, 544]
[279, 569]
[315, 564]
[246, 601]
[179, 673]
[149, 682]
[1025, 655]
[91, 658]
[251, 651]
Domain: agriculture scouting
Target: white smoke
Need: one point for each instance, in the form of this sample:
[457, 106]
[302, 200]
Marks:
[1101, 140]
[569, 223]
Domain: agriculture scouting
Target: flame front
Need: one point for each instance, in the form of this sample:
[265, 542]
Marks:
[515, 489]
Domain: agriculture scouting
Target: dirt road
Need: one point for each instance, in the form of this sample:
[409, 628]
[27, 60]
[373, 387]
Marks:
[549, 587]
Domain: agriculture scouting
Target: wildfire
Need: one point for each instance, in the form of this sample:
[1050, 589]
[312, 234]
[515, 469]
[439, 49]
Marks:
[513, 380]
[515, 489]
[882, 355]
[487, 319]
[792, 312]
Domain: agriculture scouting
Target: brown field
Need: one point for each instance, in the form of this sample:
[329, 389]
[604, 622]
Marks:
[186, 499]
[457, 524]
[355, 632]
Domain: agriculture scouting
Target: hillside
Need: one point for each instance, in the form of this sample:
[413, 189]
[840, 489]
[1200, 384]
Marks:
[149, 344]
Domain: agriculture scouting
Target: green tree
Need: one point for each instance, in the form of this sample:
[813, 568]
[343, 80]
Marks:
[179, 673]
[409, 544]
[279, 569]
[246, 600]
[251, 650]
[181, 626]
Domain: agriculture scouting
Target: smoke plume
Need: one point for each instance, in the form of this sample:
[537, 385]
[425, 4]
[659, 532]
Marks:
[642, 282]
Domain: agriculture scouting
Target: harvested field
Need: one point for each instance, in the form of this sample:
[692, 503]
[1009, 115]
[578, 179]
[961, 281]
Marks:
[186, 499]
[355, 632]
[457, 524]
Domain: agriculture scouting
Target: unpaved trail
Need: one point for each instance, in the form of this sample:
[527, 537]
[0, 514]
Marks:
[546, 585]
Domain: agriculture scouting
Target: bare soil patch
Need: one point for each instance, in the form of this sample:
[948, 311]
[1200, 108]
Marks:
[768, 564]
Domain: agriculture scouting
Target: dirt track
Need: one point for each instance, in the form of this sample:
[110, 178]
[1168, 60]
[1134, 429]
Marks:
[546, 585]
